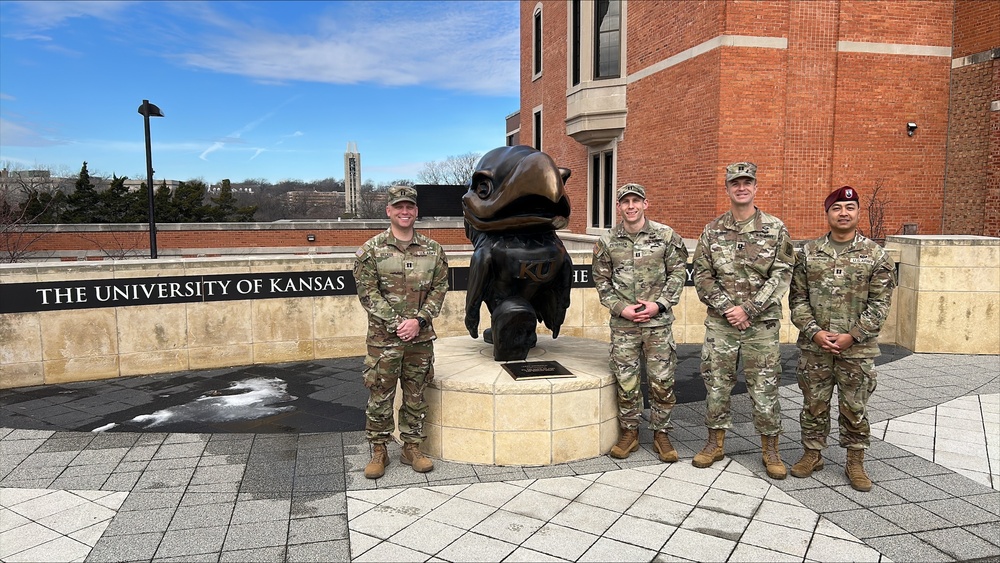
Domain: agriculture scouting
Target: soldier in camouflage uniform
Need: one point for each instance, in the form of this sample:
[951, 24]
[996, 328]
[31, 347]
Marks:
[402, 277]
[840, 295]
[742, 265]
[639, 271]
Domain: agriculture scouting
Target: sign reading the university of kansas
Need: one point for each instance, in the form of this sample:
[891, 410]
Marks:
[90, 294]
[98, 293]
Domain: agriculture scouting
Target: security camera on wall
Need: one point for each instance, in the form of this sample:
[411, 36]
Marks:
[910, 128]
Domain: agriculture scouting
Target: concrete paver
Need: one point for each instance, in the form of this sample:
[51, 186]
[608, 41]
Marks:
[207, 493]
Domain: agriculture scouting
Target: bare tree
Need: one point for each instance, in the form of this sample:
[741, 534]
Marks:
[371, 201]
[454, 170]
[25, 196]
[877, 204]
[120, 245]
[16, 239]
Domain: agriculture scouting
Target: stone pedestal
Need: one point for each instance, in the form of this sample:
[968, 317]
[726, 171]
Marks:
[480, 414]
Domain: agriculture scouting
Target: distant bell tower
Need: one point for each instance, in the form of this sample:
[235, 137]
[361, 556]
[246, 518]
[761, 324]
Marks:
[352, 178]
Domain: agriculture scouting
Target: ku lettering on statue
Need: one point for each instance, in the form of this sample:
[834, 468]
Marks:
[519, 268]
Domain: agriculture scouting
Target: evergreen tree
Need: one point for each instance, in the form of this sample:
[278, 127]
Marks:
[189, 202]
[224, 206]
[45, 207]
[83, 205]
[118, 205]
[164, 206]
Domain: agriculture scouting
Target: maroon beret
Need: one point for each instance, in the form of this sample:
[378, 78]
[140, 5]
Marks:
[846, 193]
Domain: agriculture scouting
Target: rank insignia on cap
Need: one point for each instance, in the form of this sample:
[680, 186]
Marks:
[741, 170]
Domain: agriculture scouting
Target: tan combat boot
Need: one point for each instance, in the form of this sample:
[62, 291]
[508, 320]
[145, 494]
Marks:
[811, 460]
[413, 457]
[771, 458]
[662, 445]
[628, 443]
[380, 458]
[855, 471]
[713, 451]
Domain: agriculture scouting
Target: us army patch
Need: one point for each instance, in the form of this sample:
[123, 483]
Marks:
[359, 253]
[787, 250]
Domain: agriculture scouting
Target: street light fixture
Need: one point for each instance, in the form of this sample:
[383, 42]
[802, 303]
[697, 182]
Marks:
[148, 110]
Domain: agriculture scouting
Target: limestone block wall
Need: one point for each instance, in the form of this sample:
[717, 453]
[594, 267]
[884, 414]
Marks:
[948, 299]
[55, 346]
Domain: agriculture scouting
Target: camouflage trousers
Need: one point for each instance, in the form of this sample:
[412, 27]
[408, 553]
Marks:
[657, 345]
[758, 347]
[855, 380]
[412, 365]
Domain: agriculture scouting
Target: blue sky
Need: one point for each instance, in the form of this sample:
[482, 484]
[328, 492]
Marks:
[271, 90]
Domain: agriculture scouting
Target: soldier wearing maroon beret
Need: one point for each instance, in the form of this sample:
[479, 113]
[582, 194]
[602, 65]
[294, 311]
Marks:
[840, 295]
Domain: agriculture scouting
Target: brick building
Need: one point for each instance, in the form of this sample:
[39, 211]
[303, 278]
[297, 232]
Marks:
[819, 94]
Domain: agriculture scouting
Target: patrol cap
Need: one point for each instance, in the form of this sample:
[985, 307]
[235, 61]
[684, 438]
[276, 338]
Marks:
[631, 189]
[846, 193]
[741, 170]
[402, 193]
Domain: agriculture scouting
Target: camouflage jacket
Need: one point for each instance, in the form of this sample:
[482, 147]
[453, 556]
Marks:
[651, 266]
[750, 267]
[397, 282]
[850, 292]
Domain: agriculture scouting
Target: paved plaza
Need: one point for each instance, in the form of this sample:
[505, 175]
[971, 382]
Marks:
[163, 478]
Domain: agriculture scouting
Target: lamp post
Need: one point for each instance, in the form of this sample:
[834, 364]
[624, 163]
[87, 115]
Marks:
[148, 110]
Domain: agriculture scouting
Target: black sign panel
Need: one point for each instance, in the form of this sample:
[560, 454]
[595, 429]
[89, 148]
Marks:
[100, 293]
[536, 370]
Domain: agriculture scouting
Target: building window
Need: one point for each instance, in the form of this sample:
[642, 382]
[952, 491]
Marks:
[538, 42]
[577, 33]
[602, 189]
[510, 140]
[607, 39]
[538, 129]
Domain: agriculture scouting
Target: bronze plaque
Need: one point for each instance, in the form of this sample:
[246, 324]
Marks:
[536, 370]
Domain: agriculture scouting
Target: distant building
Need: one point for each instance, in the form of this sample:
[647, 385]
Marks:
[34, 179]
[15, 185]
[514, 129]
[237, 188]
[136, 185]
[352, 178]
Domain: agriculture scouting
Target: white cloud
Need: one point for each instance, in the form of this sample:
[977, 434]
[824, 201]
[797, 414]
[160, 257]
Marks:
[15, 135]
[31, 17]
[236, 137]
[6, 96]
[449, 45]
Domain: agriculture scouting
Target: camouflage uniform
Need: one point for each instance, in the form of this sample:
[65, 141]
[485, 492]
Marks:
[845, 293]
[747, 266]
[398, 282]
[649, 265]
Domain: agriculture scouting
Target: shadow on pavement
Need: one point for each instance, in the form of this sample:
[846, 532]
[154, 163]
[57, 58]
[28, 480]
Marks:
[314, 396]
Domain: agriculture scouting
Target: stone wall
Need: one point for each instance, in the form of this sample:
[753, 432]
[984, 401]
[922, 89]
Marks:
[948, 301]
